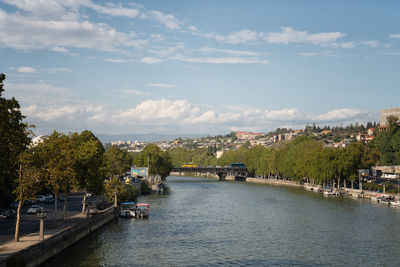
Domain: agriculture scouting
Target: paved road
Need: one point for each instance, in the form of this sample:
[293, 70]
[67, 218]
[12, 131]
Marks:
[30, 222]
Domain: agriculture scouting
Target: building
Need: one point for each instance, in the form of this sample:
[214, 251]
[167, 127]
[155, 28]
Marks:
[371, 131]
[248, 136]
[383, 123]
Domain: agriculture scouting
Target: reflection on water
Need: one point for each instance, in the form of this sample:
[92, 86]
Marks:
[207, 222]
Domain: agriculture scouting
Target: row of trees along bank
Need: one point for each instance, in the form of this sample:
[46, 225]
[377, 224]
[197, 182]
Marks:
[305, 158]
[59, 164]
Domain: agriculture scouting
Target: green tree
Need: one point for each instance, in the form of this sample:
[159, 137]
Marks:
[119, 192]
[159, 162]
[88, 164]
[57, 153]
[116, 161]
[28, 184]
[13, 140]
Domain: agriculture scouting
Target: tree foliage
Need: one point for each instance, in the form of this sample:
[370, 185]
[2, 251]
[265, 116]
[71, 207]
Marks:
[116, 161]
[158, 161]
[13, 140]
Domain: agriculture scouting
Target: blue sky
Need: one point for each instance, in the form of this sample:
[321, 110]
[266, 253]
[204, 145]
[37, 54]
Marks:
[205, 67]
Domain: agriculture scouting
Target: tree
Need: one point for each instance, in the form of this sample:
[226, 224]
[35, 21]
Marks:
[13, 140]
[28, 183]
[159, 162]
[88, 164]
[116, 161]
[57, 153]
[118, 191]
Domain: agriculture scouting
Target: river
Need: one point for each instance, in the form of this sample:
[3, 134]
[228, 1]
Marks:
[205, 222]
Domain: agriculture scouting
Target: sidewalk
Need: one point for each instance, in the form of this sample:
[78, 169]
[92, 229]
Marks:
[8, 248]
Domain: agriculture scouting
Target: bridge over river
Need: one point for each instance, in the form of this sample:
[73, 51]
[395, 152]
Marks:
[222, 172]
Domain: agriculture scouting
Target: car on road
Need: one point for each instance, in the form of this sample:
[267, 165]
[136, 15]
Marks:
[49, 195]
[29, 202]
[48, 200]
[62, 197]
[8, 214]
[40, 198]
[34, 209]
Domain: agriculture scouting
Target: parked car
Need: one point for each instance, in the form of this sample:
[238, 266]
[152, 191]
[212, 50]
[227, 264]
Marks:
[34, 209]
[62, 197]
[49, 195]
[8, 214]
[48, 200]
[14, 205]
[29, 202]
[40, 198]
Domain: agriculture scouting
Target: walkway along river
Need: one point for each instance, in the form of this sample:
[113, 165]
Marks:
[207, 222]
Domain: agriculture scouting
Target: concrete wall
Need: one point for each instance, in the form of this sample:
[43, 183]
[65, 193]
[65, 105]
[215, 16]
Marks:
[37, 254]
[273, 181]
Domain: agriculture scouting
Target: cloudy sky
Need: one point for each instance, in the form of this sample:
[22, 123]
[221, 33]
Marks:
[208, 67]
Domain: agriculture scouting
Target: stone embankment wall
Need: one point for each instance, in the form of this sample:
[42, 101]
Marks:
[39, 253]
[273, 181]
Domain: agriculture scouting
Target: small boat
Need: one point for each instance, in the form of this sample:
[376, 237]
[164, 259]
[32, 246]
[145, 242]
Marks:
[128, 210]
[142, 210]
[328, 191]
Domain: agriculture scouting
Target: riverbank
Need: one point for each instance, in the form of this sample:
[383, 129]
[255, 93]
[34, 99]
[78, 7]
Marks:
[357, 193]
[32, 252]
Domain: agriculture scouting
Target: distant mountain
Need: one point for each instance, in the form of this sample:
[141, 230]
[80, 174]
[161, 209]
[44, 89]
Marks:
[151, 137]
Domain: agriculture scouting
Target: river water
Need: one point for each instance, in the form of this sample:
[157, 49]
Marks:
[204, 222]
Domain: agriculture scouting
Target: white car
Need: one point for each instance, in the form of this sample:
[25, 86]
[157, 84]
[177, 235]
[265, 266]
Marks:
[40, 198]
[34, 209]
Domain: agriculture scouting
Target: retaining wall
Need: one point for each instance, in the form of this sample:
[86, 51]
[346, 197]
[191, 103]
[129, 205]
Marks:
[39, 253]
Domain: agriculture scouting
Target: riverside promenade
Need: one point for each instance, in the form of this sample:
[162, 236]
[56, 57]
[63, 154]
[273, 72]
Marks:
[31, 251]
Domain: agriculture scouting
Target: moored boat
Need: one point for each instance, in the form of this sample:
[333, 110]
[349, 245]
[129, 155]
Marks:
[142, 210]
[128, 210]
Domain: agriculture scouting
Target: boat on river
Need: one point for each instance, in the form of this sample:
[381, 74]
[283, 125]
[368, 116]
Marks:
[128, 210]
[329, 191]
[142, 210]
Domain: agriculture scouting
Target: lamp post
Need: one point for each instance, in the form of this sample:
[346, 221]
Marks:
[41, 215]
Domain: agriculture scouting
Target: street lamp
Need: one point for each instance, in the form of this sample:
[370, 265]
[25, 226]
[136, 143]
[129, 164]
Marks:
[41, 215]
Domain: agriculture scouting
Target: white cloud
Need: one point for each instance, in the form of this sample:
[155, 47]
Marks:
[113, 9]
[289, 35]
[150, 60]
[26, 70]
[228, 51]
[394, 36]
[24, 32]
[339, 115]
[60, 49]
[168, 20]
[179, 116]
[161, 85]
[115, 60]
[242, 36]
[374, 43]
[347, 45]
[221, 60]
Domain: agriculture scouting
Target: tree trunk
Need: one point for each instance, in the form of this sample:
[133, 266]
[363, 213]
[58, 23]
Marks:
[55, 205]
[65, 208]
[338, 183]
[352, 184]
[115, 199]
[84, 203]
[16, 237]
[344, 183]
